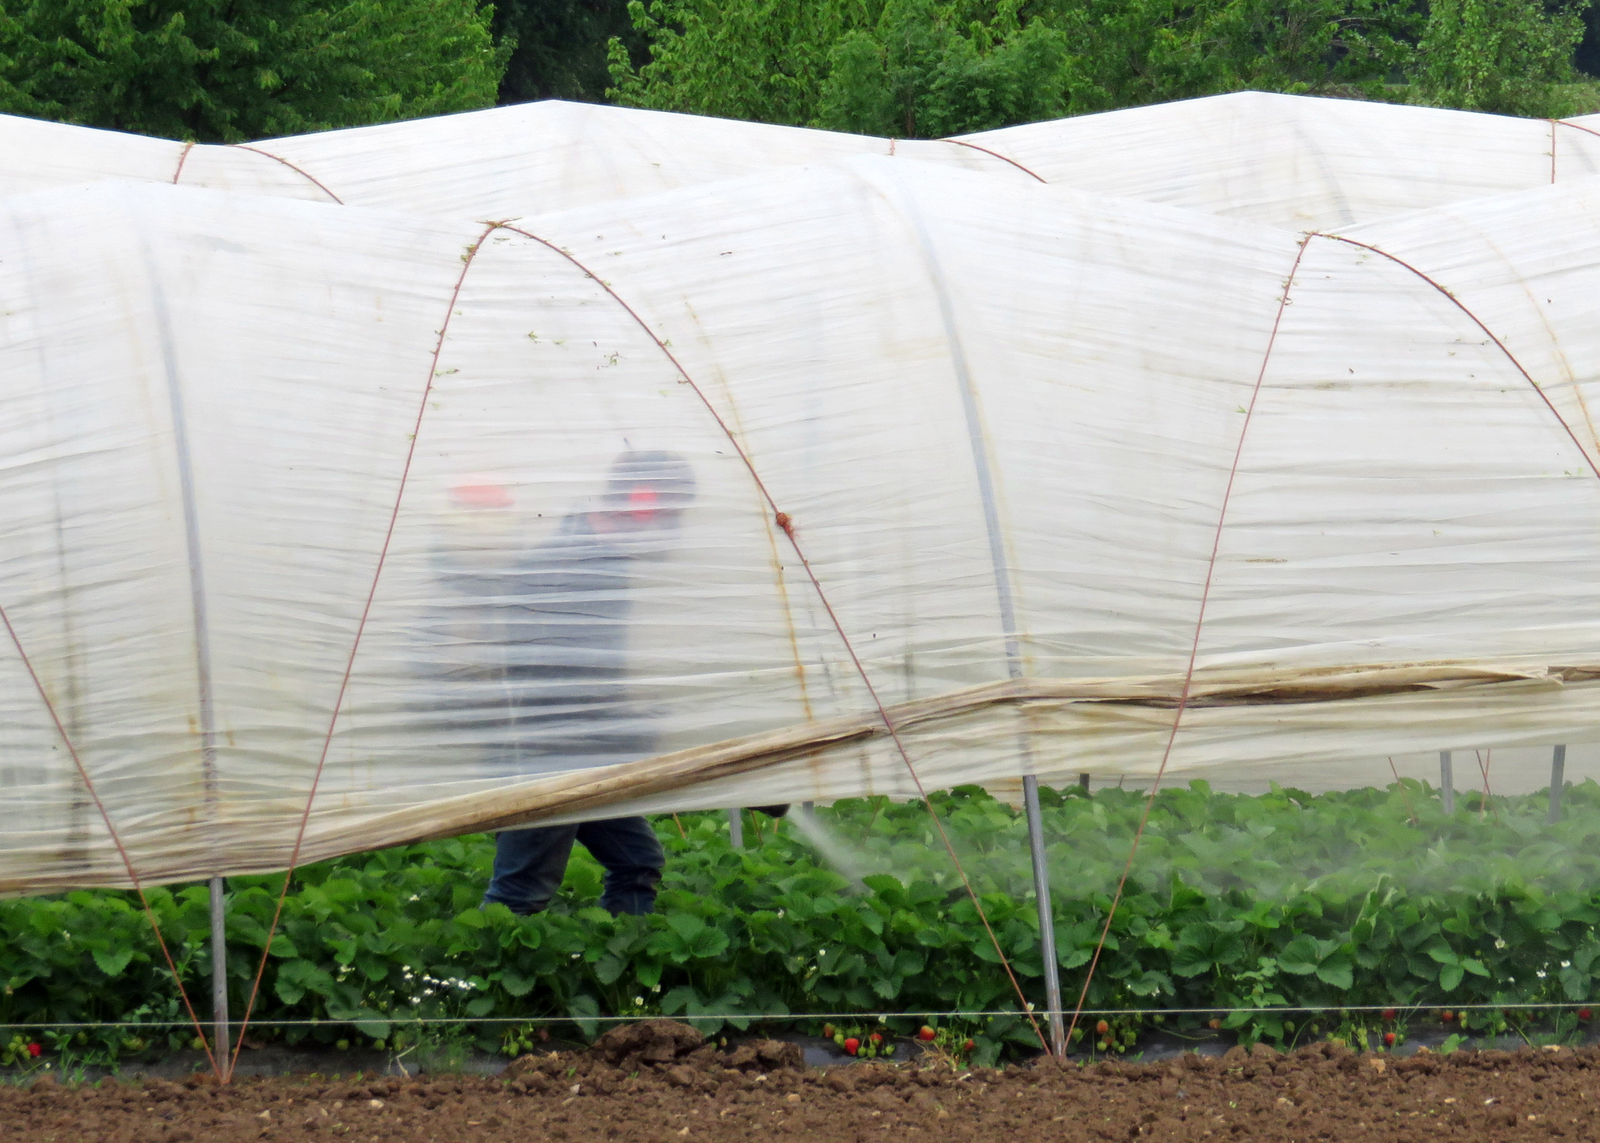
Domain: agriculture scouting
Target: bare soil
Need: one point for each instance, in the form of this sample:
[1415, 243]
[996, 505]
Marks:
[658, 1082]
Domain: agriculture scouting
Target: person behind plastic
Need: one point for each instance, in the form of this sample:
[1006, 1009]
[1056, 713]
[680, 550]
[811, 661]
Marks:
[563, 609]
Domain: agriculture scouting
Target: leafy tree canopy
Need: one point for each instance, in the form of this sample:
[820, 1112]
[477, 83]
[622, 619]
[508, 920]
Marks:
[229, 70]
[560, 47]
[927, 68]
[1511, 56]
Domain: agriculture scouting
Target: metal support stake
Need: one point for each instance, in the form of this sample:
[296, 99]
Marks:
[736, 828]
[219, 968]
[1558, 781]
[1083, 782]
[1047, 923]
[1447, 783]
[1005, 595]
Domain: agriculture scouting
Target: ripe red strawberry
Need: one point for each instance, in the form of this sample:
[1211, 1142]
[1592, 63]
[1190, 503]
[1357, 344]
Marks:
[851, 1045]
[1388, 1039]
[1447, 1015]
[1584, 1014]
[35, 1049]
[968, 1046]
[926, 1033]
[1102, 1027]
[1388, 1013]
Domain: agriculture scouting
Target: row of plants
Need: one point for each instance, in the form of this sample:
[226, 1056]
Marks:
[1241, 903]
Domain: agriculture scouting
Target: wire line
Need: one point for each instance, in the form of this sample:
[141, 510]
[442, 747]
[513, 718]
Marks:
[1194, 646]
[355, 645]
[105, 816]
[785, 522]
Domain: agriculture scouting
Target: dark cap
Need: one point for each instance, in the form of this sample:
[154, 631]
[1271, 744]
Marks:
[666, 473]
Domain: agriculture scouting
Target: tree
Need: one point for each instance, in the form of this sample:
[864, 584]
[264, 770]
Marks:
[1510, 56]
[230, 70]
[935, 67]
[560, 47]
[741, 59]
[921, 71]
[1151, 51]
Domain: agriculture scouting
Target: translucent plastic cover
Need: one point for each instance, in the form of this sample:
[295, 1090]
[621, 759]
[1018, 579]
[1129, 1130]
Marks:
[682, 504]
[1279, 160]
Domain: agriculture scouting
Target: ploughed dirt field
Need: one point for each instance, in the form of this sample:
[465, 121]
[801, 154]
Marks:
[657, 1082]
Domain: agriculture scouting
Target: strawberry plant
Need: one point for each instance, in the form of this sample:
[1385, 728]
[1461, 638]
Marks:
[20, 1052]
[868, 1043]
[1244, 903]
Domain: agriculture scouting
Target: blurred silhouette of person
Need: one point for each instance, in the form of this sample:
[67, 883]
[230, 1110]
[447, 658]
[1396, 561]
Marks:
[541, 637]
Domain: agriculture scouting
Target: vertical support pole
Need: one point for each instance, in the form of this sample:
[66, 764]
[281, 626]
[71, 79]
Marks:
[219, 969]
[1083, 782]
[1005, 595]
[736, 827]
[1558, 781]
[209, 777]
[1447, 783]
[1047, 924]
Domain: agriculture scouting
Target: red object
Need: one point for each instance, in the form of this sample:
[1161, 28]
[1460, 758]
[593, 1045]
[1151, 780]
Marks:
[480, 494]
[1388, 1013]
[851, 1045]
[1584, 1014]
[1447, 1016]
[875, 1038]
[968, 1046]
[35, 1049]
[1388, 1039]
[927, 1033]
[643, 503]
[1102, 1027]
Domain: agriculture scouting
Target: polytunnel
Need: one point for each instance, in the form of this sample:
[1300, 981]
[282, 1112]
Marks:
[1298, 162]
[979, 458]
[525, 159]
[1283, 160]
[552, 463]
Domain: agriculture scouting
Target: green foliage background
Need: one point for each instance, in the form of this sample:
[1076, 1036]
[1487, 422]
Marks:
[1248, 903]
[560, 47]
[928, 68]
[231, 70]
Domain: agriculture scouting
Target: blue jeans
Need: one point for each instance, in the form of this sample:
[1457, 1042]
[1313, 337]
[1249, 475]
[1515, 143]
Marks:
[530, 863]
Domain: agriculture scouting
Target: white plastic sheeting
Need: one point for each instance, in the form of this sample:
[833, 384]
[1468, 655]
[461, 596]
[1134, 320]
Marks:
[521, 160]
[1278, 160]
[1284, 160]
[284, 480]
